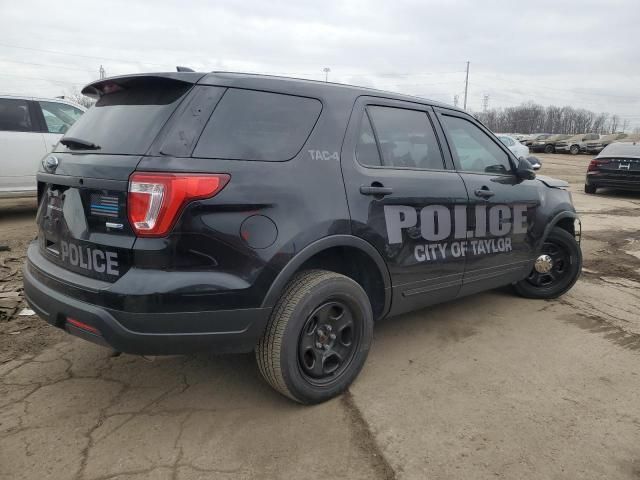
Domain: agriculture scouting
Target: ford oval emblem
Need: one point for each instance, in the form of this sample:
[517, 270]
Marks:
[50, 163]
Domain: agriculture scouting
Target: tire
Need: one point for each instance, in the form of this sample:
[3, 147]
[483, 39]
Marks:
[297, 337]
[574, 150]
[549, 149]
[590, 189]
[566, 268]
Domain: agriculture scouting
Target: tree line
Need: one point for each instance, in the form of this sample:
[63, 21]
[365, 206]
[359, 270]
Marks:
[533, 118]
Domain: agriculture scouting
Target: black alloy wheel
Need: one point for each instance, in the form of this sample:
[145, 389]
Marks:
[328, 342]
[556, 268]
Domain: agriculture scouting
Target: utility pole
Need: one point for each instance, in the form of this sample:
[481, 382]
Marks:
[102, 72]
[326, 71]
[456, 100]
[466, 87]
[485, 102]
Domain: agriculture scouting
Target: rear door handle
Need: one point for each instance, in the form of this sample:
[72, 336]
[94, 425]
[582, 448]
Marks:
[484, 193]
[376, 190]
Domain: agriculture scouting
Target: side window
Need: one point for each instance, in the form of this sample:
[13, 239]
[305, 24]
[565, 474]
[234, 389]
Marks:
[475, 150]
[14, 115]
[367, 150]
[59, 116]
[252, 125]
[406, 138]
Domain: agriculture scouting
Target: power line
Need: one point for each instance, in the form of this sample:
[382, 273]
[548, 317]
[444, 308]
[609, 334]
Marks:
[543, 87]
[63, 67]
[52, 80]
[58, 52]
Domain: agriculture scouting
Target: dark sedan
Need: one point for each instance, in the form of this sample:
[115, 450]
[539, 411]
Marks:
[617, 166]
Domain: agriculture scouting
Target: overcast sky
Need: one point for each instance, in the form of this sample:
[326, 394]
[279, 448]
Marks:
[579, 53]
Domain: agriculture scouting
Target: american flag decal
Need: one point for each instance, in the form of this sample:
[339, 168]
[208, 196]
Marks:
[104, 206]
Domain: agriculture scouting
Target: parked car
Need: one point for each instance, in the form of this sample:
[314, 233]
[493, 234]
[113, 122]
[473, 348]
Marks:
[547, 145]
[616, 166]
[29, 128]
[232, 212]
[576, 144]
[519, 150]
[596, 146]
[528, 142]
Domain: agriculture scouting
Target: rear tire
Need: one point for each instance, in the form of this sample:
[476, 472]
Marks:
[566, 256]
[590, 189]
[574, 150]
[549, 149]
[317, 338]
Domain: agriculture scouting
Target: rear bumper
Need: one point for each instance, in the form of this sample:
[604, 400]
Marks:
[220, 331]
[632, 182]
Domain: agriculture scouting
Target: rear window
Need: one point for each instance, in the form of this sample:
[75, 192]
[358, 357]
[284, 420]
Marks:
[252, 125]
[128, 120]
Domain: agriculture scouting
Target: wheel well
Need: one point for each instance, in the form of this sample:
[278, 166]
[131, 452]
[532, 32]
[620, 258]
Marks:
[357, 265]
[568, 224]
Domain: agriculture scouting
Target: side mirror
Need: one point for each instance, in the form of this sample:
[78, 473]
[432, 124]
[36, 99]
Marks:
[525, 171]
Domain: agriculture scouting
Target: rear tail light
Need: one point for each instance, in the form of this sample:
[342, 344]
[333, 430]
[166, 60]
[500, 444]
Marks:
[156, 199]
[595, 163]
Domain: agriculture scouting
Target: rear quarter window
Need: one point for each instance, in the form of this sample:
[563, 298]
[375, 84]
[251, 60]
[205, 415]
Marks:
[253, 125]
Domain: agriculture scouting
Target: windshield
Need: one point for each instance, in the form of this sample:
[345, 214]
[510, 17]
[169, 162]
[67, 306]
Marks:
[128, 120]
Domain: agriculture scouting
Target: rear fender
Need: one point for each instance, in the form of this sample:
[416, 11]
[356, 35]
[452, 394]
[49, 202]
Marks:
[285, 275]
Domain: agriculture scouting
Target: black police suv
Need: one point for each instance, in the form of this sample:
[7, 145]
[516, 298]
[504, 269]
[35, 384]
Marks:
[234, 213]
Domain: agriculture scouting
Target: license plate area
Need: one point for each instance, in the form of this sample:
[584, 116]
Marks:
[69, 239]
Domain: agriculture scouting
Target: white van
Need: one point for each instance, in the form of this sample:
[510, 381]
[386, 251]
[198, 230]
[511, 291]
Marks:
[29, 128]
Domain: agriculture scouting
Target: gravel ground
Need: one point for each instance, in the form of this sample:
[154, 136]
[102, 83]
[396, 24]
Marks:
[491, 386]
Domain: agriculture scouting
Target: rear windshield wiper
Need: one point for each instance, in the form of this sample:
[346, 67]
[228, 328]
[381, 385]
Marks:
[79, 144]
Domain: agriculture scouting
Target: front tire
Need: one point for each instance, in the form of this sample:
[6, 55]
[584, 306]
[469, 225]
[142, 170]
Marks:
[574, 150]
[318, 337]
[549, 149]
[562, 255]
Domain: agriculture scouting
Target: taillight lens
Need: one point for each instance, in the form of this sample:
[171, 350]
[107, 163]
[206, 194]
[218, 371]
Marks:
[156, 199]
[595, 163]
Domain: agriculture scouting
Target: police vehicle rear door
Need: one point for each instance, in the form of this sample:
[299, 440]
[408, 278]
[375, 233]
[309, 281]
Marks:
[403, 192]
[502, 207]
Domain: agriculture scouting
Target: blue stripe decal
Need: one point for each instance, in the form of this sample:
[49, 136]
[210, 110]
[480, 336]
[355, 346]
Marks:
[105, 207]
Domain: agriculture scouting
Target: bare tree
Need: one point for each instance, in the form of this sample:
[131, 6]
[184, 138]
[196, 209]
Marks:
[625, 125]
[77, 97]
[532, 118]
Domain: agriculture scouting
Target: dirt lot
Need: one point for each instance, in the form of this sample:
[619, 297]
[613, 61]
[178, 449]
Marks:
[492, 386]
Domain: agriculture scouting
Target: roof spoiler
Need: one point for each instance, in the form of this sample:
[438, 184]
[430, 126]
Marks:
[102, 87]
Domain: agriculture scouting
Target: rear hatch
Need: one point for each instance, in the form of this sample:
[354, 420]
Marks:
[82, 186]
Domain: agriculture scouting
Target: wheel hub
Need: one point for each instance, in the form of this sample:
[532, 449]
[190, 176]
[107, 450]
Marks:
[544, 264]
[328, 341]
